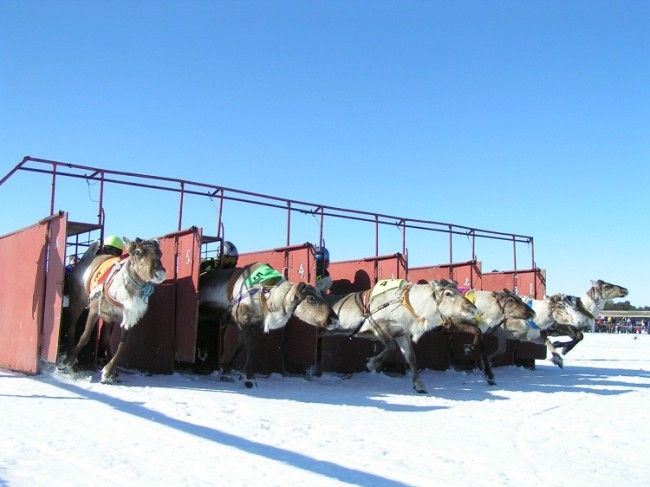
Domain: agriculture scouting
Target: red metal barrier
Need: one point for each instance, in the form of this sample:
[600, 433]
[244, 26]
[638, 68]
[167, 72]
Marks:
[31, 293]
[54, 287]
[361, 274]
[527, 282]
[466, 274]
[292, 348]
[22, 258]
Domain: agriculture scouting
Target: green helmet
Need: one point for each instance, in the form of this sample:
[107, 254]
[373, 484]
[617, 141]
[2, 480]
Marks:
[114, 241]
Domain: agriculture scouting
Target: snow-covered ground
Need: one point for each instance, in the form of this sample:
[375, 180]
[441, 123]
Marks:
[585, 425]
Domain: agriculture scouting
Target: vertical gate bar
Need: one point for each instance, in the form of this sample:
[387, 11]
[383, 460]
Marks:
[451, 252]
[180, 208]
[100, 215]
[320, 236]
[288, 223]
[514, 257]
[54, 165]
[220, 215]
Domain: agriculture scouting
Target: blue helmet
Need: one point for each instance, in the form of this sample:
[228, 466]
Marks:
[322, 254]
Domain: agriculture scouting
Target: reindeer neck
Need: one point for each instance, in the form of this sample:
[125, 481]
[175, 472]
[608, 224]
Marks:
[488, 308]
[592, 302]
[543, 313]
[274, 307]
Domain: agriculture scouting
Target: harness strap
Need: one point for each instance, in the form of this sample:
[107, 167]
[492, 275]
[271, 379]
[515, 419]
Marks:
[530, 322]
[406, 302]
[107, 284]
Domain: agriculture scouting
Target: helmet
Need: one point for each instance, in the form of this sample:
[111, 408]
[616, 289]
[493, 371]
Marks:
[229, 249]
[322, 254]
[228, 255]
[114, 241]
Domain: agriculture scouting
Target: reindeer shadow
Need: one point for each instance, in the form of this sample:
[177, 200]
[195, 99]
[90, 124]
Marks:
[298, 460]
[548, 378]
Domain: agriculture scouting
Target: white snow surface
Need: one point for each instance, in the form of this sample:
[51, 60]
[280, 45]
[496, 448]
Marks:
[585, 425]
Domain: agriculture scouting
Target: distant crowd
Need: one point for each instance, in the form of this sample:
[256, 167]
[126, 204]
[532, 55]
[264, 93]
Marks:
[622, 325]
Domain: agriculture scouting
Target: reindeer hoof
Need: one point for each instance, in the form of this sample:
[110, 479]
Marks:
[109, 377]
[419, 387]
[64, 364]
[249, 383]
[226, 378]
[557, 360]
[491, 381]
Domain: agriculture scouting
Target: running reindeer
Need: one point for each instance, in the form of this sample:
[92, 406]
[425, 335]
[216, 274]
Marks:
[115, 289]
[398, 313]
[556, 310]
[594, 302]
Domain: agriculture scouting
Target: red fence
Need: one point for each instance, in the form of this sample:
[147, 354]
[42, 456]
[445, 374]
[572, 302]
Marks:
[466, 274]
[32, 290]
[527, 282]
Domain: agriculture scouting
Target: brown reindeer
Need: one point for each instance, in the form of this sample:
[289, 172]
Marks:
[115, 289]
[258, 296]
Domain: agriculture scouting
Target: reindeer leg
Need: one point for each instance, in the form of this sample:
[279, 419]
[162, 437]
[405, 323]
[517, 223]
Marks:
[570, 331]
[68, 360]
[406, 346]
[576, 336]
[109, 372]
[487, 368]
[556, 358]
[226, 366]
[477, 345]
[249, 345]
[374, 363]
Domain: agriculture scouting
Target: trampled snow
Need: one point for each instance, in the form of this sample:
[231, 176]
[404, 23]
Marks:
[587, 424]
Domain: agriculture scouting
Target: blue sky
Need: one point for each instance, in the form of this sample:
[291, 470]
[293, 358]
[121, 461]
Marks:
[523, 117]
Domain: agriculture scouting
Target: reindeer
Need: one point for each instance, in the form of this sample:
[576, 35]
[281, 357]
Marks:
[119, 295]
[257, 296]
[397, 314]
[549, 312]
[494, 308]
[594, 302]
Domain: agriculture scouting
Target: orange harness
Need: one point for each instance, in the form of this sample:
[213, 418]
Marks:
[103, 276]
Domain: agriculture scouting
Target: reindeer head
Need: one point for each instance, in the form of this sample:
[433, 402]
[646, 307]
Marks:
[513, 306]
[601, 290]
[451, 302]
[144, 260]
[309, 306]
[569, 310]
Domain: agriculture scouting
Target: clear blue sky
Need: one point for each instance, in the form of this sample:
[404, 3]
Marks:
[525, 117]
